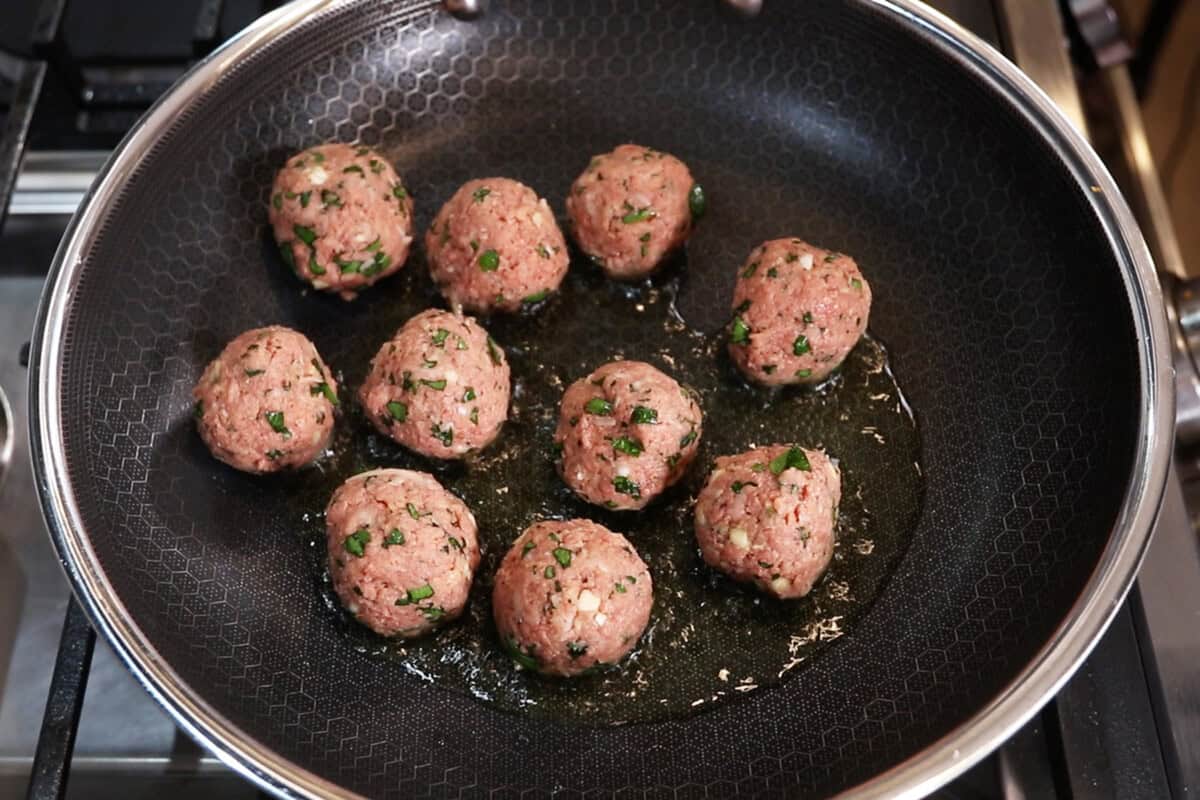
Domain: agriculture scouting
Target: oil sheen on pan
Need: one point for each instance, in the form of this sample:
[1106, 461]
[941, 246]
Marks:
[710, 640]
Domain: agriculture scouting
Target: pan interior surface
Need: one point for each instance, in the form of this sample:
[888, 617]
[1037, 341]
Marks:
[996, 292]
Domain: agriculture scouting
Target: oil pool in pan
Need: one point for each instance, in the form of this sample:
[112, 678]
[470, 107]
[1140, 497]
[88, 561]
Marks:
[710, 639]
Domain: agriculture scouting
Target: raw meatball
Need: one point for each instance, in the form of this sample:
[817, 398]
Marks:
[266, 403]
[402, 551]
[341, 217]
[798, 312]
[767, 517]
[439, 387]
[626, 432]
[495, 246]
[631, 208]
[570, 596]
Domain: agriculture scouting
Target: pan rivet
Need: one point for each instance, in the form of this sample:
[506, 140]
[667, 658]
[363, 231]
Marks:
[465, 9]
[744, 8]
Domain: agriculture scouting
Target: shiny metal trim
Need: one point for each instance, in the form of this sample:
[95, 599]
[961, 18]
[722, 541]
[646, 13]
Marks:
[1033, 31]
[923, 772]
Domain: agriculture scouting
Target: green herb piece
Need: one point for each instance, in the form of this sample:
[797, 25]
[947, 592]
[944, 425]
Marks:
[317, 156]
[537, 297]
[433, 613]
[285, 252]
[563, 556]
[361, 150]
[313, 266]
[644, 415]
[198, 410]
[697, 202]
[769, 368]
[543, 251]
[493, 350]
[739, 485]
[629, 447]
[437, 385]
[355, 168]
[439, 338]
[325, 389]
[856, 283]
[765, 564]
[444, 435]
[445, 237]
[273, 454]
[791, 258]
[304, 234]
[250, 373]
[356, 542]
[793, 458]
[374, 246]
[556, 450]
[348, 267]
[750, 269]
[394, 537]
[275, 420]
[420, 593]
[688, 438]
[526, 548]
[397, 410]
[376, 165]
[804, 373]
[576, 649]
[739, 331]
[620, 587]
[412, 511]
[757, 466]
[474, 417]
[379, 263]
[460, 343]
[623, 485]
[549, 572]
[479, 194]
[277, 201]
[489, 261]
[801, 346]
[398, 192]
[830, 257]
[609, 504]
[525, 660]
[457, 544]
[639, 215]
[304, 198]
[406, 382]
[469, 394]
[808, 318]
[329, 198]
[598, 406]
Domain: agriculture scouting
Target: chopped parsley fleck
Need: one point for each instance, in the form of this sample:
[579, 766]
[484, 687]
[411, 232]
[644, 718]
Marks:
[412, 511]
[830, 257]
[808, 317]
[598, 406]
[791, 258]
[493, 350]
[329, 198]
[856, 283]
[525, 660]
[739, 485]
[772, 273]
[757, 466]
[525, 548]
[420, 593]
[285, 252]
[198, 411]
[374, 246]
[644, 415]
[273, 454]
[623, 485]
[398, 192]
[469, 394]
[803, 373]
[620, 587]
[543, 251]
[630, 447]
[457, 544]
[793, 458]
[479, 194]
[489, 261]
[250, 373]
[317, 156]
[437, 385]
[356, 542]
[394, 537]
[549, 572]
[444, 435]
[439, 338]
[638, 215]
[361, 150]
[277, 201]
[697, 202]
[576, 649]
[275, 420]
[688, 438]
[563, 556]
[739, 331]
[355, 168]
[768, 368]
[537, 297]
[801, 346]
[376, 165]
[325, 389]
[474, 416]
[765, 564]
[304, 234]
[750, 269]
[433, 613]
[397, 410]
[348, 267]
[304, 197]
[460, 343]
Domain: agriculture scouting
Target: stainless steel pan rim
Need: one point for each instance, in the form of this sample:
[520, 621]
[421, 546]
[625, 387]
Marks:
[920, 774]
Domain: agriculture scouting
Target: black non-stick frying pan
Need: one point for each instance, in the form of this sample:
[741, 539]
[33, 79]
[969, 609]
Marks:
[1013, 293]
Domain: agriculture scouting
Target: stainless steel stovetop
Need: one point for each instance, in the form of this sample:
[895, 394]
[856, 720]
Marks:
[1128, 725]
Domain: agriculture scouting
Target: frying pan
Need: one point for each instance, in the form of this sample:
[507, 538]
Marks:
[1013, 291]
